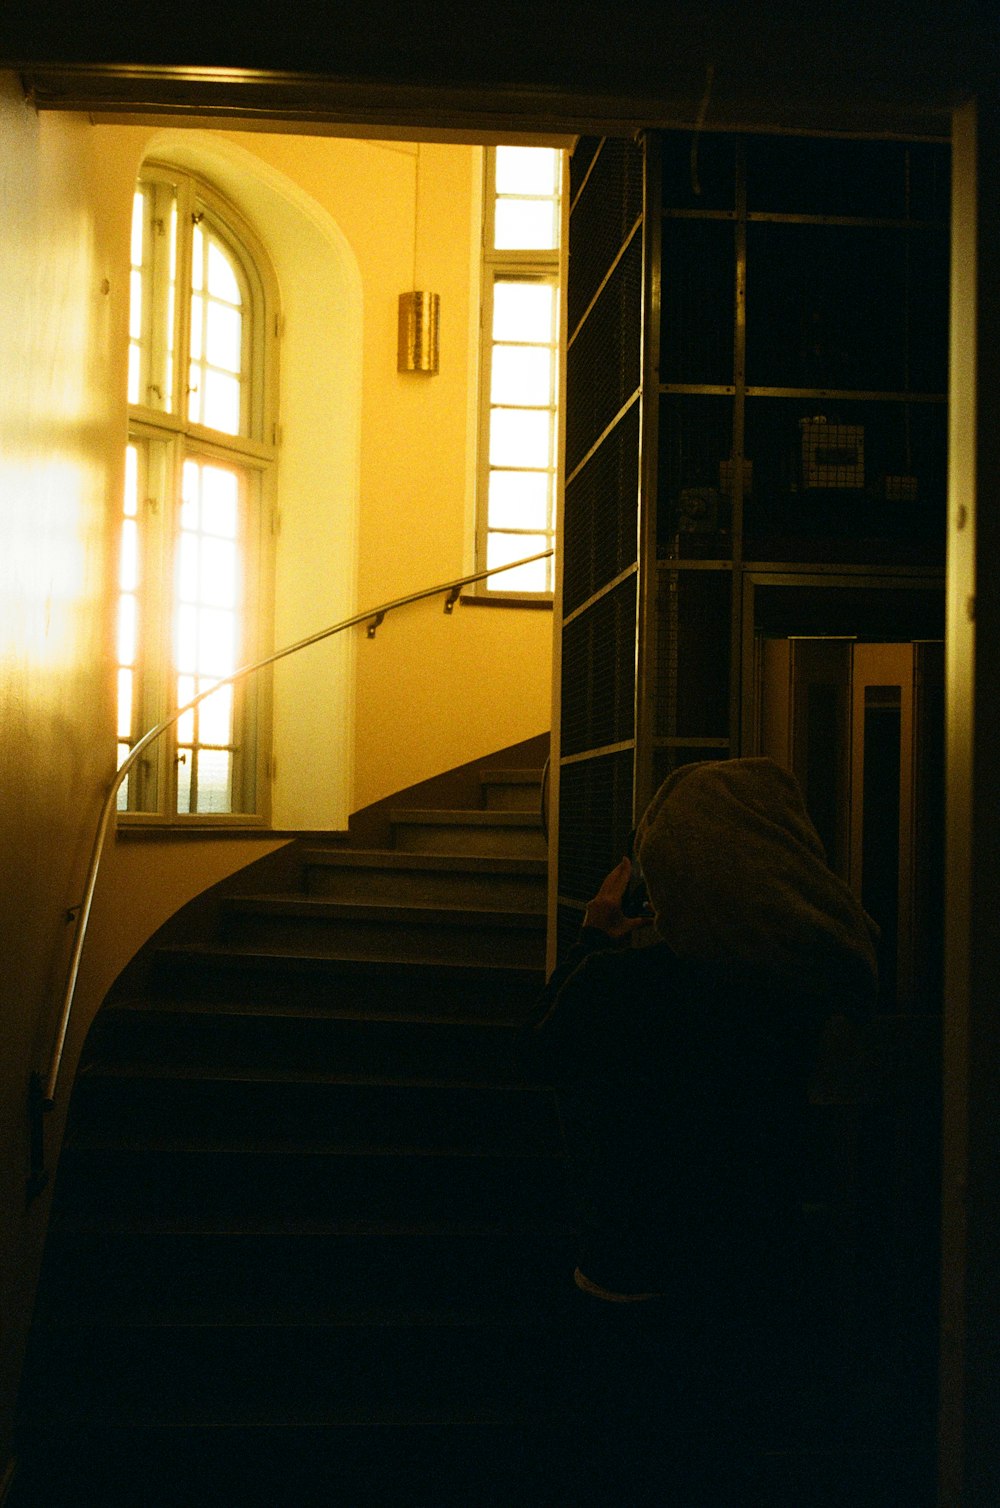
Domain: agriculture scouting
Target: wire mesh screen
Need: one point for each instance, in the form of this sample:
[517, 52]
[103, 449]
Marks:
[606, 211]
[595, 819]
[692, 654]
[580, 160]
[604, 361]
[598, 673]
[600, 517]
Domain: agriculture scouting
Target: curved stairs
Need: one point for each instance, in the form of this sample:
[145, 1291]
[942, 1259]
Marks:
[311, 1234]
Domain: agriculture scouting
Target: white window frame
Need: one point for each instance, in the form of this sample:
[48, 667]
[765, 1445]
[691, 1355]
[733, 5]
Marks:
[165, 438]
[504, 266]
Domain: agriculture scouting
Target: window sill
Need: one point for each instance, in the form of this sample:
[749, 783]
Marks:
[150, 825]
[505, 599]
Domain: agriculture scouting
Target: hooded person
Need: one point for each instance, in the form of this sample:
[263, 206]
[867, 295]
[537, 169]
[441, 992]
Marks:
[683, 1065]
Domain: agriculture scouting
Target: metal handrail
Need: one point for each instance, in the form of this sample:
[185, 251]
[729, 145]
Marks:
[375, 614]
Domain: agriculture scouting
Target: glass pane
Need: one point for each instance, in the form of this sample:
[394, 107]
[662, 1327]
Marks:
[197, 258]
[134, 360]
[127, 630]
[129, 565]
[216, 642]
[131, 481]
[185, 693]
[121, 801]
[215, 715]
[190, 491]
[215, 768]
[221, 277]
[519, 500]
[525, 225]
[188, 570]
[527, 170]
[184, 761]
[218, 572]
[125, 703]
[135, 305]
[187, 638]
[138, 216]
[523, 311]
[197, 324]
[218, 506]
[521, 374]
[520, 437]
[529, 578]
[224, 337]
[221, 407]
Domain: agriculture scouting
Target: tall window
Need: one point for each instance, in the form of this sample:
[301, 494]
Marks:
[519, 380]
[196, 511]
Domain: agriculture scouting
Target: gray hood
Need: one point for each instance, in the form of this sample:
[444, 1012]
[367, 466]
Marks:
[736, 871]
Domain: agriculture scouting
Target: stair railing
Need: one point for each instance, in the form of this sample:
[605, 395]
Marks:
[42, 1093]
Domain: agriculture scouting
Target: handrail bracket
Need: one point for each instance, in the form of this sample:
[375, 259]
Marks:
[452, 598]
[375, 623]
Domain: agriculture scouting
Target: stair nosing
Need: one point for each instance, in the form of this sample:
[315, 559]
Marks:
[237, 954]
[406, 859]
[467, 817]
[295, 903]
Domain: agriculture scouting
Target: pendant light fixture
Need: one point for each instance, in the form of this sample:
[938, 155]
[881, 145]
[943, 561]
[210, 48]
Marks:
[419, 312]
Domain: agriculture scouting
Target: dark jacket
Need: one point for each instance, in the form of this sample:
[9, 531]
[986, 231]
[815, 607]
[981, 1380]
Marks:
[683, 1090]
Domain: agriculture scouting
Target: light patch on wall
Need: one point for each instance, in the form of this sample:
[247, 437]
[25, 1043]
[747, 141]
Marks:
[43, 563]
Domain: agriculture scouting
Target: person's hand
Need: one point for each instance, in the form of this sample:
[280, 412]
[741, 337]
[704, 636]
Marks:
[604, 912]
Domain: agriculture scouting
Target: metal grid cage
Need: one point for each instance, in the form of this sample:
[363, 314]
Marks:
[598, 673]
[693, 654]
[604, 361]
[595, 819]
[600, 518]
[609, 206]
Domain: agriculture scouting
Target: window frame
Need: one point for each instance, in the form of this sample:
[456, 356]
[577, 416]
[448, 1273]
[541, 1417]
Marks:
[513, 265]
[165, 440]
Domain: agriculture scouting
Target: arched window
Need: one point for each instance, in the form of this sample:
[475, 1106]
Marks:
[197, 509]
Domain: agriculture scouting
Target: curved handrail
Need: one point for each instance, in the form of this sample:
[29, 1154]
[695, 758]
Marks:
[110, 800]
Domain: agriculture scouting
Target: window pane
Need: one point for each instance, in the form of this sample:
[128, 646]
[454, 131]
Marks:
[138, 217]
[127, 629]
[215, 715]
[523, 311]
[215, 767]
[216, 642]
[218, 505]
[135, 305]
[222, 281]
[125, 678]
[224, 337]
[184, 762]
[520, 437]
[530, 578]
[521, 374]
[131, 481]
[527, 170]
[187, 637]
[197, 327]
[526, 225]
[134, 371]
[218, 572]
[519, 500]
[185, 693]
[188, 571]
[197, 258]
[128, 578]
[221, 407]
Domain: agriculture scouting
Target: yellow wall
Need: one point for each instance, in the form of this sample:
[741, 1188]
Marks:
[376, 466]
[56, 327]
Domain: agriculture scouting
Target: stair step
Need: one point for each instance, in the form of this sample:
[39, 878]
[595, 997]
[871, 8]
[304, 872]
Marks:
[334, 928]
[483, 832]
[412, 987]
[181, 1035]
[246, 1374]
[205, 1274]
[290, 1188]
[490, 1459]
[430, 879]
[311, 1114]
[512, 790]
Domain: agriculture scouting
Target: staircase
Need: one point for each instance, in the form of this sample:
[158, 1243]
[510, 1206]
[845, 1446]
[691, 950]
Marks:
[311, 1240]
